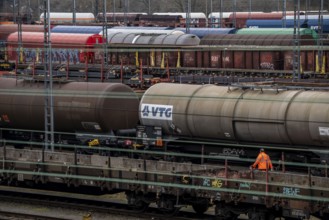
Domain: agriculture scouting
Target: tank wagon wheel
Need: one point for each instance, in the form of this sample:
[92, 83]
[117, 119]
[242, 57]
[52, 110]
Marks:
[167, 206]
[201, 206]
[136, 202]
[222, 213]
[266, 215]
[140, 205]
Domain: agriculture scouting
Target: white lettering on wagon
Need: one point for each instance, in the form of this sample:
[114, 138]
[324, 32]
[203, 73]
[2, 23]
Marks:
[324, 131]
[291, 191]
[160, 112]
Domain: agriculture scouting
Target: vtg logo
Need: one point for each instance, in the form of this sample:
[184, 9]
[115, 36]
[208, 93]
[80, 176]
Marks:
[161, 112]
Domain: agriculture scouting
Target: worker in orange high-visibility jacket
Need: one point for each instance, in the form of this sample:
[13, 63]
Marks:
[263, 161]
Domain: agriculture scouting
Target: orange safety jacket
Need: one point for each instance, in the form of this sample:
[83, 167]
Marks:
[262, 160]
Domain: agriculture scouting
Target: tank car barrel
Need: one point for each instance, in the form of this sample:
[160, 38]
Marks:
[290, 117]
[78, 106]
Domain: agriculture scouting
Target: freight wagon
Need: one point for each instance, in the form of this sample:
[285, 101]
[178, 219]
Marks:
[67, 18]
[72, 48]
[197, 19]
[196, 125]
[239, 19]
[215, 53]
[255, 57]
[171, 116]
[119, 18]
[26, 17]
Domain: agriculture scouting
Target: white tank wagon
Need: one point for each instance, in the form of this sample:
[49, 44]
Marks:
[282, 117]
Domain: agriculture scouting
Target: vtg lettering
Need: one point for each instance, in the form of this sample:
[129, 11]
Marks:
[161, 112]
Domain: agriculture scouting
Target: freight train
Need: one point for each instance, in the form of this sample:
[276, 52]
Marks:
[173, 117]
[248, 52]
[173, 122]
[141, 20]
[129, 19]
[212, 53]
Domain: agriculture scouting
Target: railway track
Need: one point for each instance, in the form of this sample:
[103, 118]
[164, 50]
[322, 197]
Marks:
[19, 216]
[89, 204]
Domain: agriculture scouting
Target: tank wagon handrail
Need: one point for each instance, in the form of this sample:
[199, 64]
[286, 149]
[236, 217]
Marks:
[282, 85]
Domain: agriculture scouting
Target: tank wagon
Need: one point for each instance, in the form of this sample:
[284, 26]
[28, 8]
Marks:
[228, 19]
[239, 19]
[78, 107]
[312, 23]
[270, 24]
[215, 112]
[6, 30]
[295, 119]
[77, 29]
[207, 122]
[267, 31]
[67, 18]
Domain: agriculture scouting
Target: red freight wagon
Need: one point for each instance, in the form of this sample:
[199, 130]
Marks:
[252, 58]
[75, 48]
